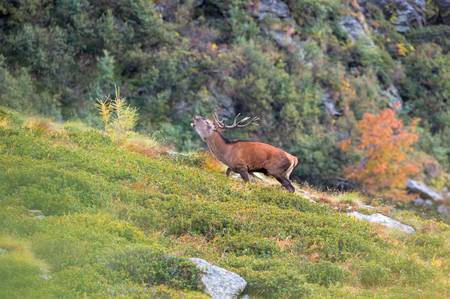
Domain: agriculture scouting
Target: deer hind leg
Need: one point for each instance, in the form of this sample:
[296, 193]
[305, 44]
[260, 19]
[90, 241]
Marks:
[229, 170]
[285, 183]
[243, 171]
[244, 176]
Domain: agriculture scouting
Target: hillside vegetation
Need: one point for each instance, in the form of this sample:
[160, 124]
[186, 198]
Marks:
[309, 69]
[82, 216]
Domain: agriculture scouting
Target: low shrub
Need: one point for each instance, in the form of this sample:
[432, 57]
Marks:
[408, 271]
[431, 34]
[324, 273]
[276, 281]
[373, 274]
[144, 265]
[20, 275]
[247, 244]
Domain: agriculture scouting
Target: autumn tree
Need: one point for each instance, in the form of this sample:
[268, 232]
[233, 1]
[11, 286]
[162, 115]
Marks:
[383, 144]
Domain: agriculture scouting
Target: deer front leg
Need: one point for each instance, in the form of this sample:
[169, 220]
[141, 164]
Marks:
[244, 173]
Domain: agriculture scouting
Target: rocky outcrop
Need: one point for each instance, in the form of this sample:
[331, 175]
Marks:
[384, 220]
[276, 8]
[218, 282]
[330, 105]
[423, 190]
[392, 95]
[277, 22]
[406, 12]
[224, 103]
[443, 210]
[353, 27]
[444, 10]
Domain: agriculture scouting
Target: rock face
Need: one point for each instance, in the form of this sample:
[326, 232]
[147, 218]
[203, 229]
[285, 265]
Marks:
[393, 97]
[407, 12]
[424, 190]
[384, 220]
[418, 202]
[444, 10]
[329, 104]
[272, 7]
[353, 27]
[444, 211]
[282, 27]
[218, 282]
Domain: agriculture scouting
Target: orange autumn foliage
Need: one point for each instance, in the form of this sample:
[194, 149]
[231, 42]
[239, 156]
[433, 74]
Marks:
[384, 145]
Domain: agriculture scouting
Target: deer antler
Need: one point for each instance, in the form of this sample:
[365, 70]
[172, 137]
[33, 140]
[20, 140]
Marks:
[217, 121]
[244, 122]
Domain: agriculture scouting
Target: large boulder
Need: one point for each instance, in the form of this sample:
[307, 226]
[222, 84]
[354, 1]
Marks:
[218, 282]
[384, 220]
[424, 190]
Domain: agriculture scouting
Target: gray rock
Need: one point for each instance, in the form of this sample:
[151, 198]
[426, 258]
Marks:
[281, 38]
[364, 206]
[272, 7]
[37, 214]
[428, 203]
[223, 101]
[418, 202]
[353, 27]
[443, 210]
[45, 276]
[218, 282]
[384, 220]
[3, 251]
[424, 190]
[444, 10]
[407, 12]
[393, 97]
[330, 106]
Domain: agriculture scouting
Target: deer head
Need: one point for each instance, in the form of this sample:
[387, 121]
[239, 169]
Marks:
[206, 127]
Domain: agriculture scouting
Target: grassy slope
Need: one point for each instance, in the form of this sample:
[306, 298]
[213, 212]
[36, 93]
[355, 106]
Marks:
[113, 218]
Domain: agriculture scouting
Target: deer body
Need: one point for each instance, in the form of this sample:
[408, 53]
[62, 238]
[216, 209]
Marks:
[245, 157]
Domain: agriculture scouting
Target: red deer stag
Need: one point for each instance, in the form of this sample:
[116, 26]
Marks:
[245, 157]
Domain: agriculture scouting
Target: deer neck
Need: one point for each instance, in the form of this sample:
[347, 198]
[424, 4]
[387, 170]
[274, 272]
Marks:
[218, 147]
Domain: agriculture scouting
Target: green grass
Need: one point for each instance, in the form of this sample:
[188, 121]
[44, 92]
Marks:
[122, 224]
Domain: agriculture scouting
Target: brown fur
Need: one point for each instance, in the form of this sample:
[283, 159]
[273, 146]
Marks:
[245, 157]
